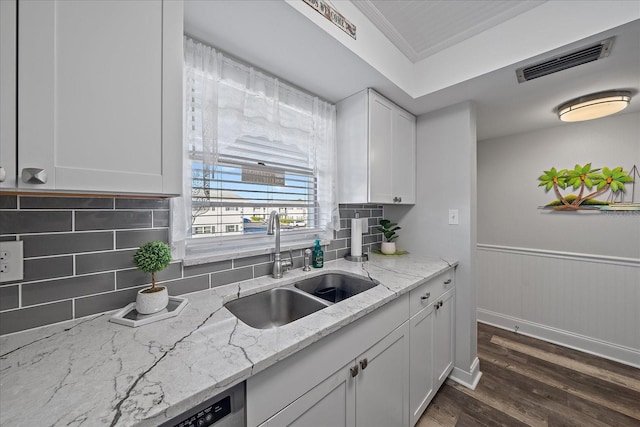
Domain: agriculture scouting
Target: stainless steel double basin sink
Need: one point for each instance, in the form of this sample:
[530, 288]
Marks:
[283, 305]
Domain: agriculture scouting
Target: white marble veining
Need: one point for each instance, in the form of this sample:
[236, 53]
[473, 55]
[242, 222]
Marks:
[94, 372]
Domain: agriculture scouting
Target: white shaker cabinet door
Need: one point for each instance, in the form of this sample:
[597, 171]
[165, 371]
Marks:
[443, 322]
[330, 404]
[90, 105]
[421, 362]
[381, 118]
[8, 58]
[382, 385]
[404, 157]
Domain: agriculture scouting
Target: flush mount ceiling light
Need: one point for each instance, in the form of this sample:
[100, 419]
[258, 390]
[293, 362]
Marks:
[594, 106]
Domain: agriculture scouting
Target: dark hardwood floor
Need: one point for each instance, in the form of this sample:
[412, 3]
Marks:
[528, 382]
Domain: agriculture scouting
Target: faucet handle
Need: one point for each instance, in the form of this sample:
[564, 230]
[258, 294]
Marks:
[287, 264]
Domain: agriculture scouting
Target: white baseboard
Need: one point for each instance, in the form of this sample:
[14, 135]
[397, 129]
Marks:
[468, 378]
[617, 353]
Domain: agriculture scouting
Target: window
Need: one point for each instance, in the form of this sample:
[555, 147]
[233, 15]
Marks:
[253, 144]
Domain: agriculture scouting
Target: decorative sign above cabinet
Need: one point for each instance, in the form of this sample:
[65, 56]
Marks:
[332, 15]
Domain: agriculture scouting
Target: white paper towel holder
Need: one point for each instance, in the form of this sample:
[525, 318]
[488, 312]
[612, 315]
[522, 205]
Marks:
[356, 258]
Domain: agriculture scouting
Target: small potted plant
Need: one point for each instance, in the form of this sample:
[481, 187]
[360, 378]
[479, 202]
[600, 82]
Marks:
[389, 229]
[152, 257]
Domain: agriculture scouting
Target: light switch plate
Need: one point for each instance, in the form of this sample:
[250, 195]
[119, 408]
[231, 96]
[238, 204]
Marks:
[11, 261]
[453, 217]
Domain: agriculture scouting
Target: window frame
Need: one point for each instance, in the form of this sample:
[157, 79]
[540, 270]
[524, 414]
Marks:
[198, 248]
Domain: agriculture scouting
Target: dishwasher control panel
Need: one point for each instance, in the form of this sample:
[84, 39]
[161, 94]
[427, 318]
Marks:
[223, 410]
[209, 415]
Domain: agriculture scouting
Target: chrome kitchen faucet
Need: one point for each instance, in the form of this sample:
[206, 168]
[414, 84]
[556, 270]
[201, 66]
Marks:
[279, 265]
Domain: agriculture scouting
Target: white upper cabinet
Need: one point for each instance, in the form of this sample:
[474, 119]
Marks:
[100, 96]
[8, 67]
[376, 151]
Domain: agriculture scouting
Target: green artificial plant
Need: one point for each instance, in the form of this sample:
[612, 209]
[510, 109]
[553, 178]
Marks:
[152, 257]
[389, 229]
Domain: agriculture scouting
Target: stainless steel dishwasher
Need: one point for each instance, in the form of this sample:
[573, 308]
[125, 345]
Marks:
[222, 410]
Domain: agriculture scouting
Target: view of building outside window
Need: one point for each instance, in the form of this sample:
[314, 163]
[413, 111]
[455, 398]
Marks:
[227, 205]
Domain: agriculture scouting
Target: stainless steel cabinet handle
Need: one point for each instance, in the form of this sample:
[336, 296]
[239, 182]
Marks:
[426, 296]
[364, 363]
[354, 371]
[446, 282]
[3, 174]
[34, 176]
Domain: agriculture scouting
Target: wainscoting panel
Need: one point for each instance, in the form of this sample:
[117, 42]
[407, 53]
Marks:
[582, 301]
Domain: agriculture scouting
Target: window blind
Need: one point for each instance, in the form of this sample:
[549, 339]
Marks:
[253, 144]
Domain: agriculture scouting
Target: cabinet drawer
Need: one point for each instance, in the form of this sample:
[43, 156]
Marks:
[428, 292]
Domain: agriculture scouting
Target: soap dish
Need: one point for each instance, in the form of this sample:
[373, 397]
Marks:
[129, 316]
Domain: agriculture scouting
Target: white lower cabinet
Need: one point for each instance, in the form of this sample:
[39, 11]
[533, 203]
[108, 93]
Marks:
[382, 382]
[421, 380]
[370, 391]
[443, 337]
[330, 403]
[431, 337]
[382, 370]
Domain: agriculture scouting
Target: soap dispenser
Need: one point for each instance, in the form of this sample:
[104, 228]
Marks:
[317, 256]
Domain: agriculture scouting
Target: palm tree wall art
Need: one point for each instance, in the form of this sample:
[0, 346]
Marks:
[589, 183]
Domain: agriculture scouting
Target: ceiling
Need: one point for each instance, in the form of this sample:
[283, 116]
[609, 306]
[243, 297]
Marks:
[422, 28]
[276, 37]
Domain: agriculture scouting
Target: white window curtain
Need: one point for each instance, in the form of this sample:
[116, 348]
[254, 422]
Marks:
[228, 106]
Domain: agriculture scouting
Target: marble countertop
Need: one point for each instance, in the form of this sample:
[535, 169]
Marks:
[91, 371]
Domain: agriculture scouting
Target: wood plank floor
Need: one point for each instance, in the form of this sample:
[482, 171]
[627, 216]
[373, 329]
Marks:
[528, 382]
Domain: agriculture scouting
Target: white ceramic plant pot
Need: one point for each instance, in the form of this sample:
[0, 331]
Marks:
[388, 248]
[152, 302]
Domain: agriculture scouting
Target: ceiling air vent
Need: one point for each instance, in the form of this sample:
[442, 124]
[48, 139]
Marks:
[569, 60]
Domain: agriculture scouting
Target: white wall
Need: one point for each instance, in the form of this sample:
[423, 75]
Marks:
[567, 277]
[509, 196]
[446, 179]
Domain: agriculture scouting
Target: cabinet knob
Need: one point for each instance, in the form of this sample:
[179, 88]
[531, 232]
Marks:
[397, 199]
[3, 174]
[34, 176]
[426, 296]
[354, 371]
[446, 282]
[364, 363]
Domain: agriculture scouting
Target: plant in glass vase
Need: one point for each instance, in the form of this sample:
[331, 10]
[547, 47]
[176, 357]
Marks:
[388, 229]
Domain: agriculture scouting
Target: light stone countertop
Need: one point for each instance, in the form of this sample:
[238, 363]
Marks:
[94, 372]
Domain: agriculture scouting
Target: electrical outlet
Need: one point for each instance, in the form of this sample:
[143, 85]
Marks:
[11, 261]
[453, 217]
